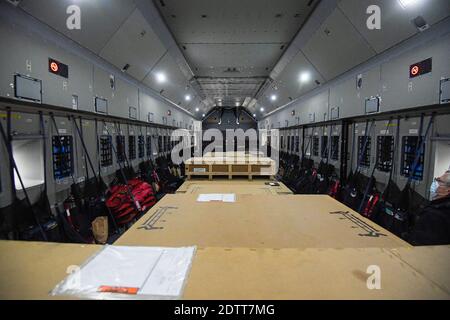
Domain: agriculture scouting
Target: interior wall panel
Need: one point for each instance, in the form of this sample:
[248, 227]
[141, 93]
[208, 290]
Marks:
[399, 91]
[390, 81]
[396, 20]
[28, 55]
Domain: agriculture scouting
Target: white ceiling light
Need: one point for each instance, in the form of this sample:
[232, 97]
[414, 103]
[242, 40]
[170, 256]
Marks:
[408, 3]
[273, 97]
[161, 77]
[305, 76]
[262, 109]
[197, 109]
[203, 115]
[187, 98]
[254, 115]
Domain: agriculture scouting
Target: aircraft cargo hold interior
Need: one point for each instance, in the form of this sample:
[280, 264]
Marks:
[212, 150]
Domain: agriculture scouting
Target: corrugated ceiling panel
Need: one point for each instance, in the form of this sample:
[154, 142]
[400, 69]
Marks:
[234, 21]
[396, 24]
[100, 19]
[291, 78]
[248, 59]
[337, 46]
[173, 74]
[135, 44]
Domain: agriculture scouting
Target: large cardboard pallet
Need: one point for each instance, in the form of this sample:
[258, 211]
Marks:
[292, 274]
[257, 221]
[31, 270]
[243, 186]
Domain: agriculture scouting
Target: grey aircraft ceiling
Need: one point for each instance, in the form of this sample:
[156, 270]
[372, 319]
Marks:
[256, 54]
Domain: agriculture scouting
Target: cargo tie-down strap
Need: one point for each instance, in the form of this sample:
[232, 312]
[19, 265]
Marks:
[150, 223]
[13, 167]
[371, 231]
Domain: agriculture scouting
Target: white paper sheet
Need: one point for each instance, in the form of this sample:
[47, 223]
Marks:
[156, 273]
[221, 197]
[231, 197]
[167, 279]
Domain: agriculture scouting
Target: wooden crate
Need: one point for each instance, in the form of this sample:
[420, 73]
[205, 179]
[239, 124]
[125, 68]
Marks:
[231, 166]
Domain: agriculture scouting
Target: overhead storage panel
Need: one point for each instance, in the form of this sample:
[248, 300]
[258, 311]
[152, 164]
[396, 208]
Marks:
[337, 46]
[150, 105]
[100, 19]
[13, 57]
[369, 85]
[119, 94]
[125, 96]
[350, 96]
[196, 103]
[60, 91]
[134, 44]
[399, 91]
[174, 86]
[291, 78]
[314, 109]
[102, 85]
[282, 98]
[396, 24]
[26, 55]
[176, 94]
[169, 68]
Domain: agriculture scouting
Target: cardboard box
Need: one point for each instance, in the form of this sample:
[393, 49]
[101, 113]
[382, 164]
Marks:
[257, 221]
[31, 270]
[255, 187]
[293, 274]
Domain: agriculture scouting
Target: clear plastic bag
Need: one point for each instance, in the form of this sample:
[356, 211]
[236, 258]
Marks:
[133, 273]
